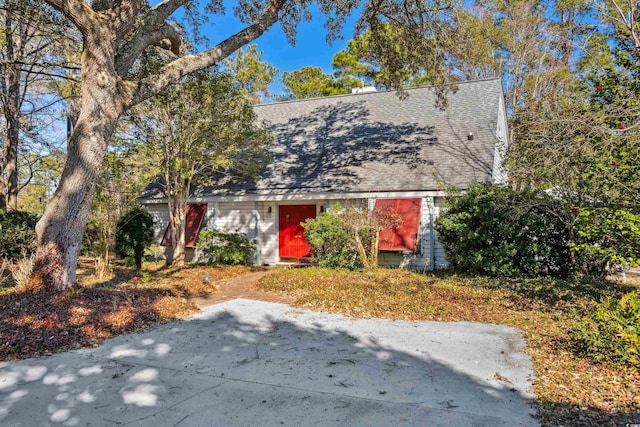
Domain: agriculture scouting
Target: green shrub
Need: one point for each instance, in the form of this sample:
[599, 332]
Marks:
[331, 243]
[134, 233]
[17, 234]
[611, 333]
[216, 247]
[498, 231]
[606, 239]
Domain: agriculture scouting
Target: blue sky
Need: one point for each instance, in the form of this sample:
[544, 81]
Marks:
[311, 48]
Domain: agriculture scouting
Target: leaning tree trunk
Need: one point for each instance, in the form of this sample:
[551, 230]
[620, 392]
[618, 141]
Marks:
[62, 225]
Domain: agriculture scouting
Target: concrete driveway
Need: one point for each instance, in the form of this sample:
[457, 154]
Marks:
[252, 363]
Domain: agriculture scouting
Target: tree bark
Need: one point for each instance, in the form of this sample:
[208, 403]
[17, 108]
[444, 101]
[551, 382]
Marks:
[62, 225]
[11, 103]
[11, 158]
[3, 187]
[177, 206]
[179, 235]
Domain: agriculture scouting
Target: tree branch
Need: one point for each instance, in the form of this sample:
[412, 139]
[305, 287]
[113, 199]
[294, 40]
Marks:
[77, 11]
[153, 20]
[124, 16]
[128, 54]
[179, 68]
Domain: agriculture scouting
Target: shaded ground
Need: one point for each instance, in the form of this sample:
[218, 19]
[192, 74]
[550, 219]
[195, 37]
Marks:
[245, 362]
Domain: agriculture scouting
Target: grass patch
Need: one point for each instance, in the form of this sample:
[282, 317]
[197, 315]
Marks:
[571, 388]
[33, 322]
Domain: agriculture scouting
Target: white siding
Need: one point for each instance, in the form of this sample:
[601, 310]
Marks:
[235, 218]
[268, 234]
[439, 254]
[160, 215]
[502, 143]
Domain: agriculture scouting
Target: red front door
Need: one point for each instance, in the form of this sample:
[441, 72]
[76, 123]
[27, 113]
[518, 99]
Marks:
[291, 240]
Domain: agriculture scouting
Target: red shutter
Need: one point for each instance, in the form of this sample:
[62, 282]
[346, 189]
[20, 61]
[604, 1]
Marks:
[405, 237]
[195, 214]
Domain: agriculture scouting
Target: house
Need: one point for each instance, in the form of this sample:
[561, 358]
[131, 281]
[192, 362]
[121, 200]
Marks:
[371, 148]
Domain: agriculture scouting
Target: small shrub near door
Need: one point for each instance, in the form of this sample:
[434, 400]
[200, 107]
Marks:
[331, 243]
[216, 247]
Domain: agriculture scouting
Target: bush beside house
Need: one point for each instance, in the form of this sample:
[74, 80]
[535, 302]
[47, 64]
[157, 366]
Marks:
[499, 231]
[216, 247]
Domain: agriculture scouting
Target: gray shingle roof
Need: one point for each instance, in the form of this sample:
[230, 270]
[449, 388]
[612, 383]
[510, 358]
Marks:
[377, 142]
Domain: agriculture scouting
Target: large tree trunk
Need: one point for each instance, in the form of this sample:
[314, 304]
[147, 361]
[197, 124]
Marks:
[62, 225]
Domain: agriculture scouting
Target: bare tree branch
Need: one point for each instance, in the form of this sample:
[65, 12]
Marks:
[189, 64]
[127, 56]
[153, 20]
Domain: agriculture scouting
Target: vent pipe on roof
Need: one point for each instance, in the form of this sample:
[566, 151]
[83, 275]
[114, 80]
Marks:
[364, 89]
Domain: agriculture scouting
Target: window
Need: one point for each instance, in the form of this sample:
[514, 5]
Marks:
[404, 237]
[195, 214]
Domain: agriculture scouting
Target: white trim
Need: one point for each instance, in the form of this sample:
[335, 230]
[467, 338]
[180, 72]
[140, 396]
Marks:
[432, 236]
[499, 173]
[296, 197]
[256, 218]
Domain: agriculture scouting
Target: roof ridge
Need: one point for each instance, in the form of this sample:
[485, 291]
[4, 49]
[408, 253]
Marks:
[377, 92]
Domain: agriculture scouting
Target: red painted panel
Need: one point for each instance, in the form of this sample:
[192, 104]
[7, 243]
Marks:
[291, 240]
[195, 215]
[405, 237]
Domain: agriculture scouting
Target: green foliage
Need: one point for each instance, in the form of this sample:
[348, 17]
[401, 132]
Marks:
[216, 247]
[17, 234]
[197, 132]
[381, 59]
[348, 238]
[605, 237]
[45, 172]
[311, 82]
[498, 231]
[91, 240]
[120, 182]
[612, 332]
[134, 233]
[330, 240]
[252, 75]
